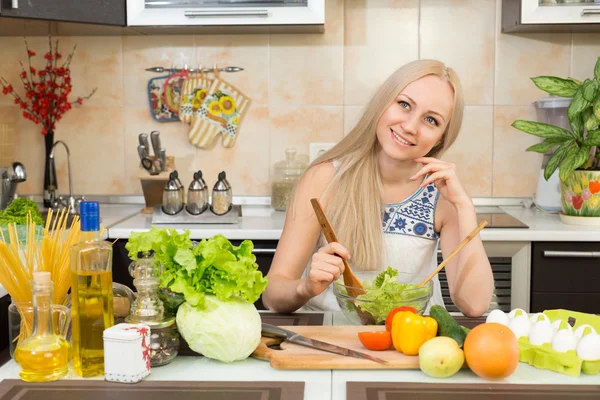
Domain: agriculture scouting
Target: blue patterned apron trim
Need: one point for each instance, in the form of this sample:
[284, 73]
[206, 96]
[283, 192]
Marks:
[414, 216]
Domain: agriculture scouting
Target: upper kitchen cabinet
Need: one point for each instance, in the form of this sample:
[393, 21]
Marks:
[550, 16]
[197, 16]
[102, 12]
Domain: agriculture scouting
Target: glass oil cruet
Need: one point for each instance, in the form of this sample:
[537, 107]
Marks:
[148, 309]
[44, 356]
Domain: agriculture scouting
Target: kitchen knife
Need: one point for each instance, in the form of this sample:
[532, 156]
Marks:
[273, 331]
[143, 139]
[162, 156]
[155, 139]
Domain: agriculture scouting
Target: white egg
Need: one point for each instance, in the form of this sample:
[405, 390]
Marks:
[556, 325]
[582, 329]
[540, 333]
[533, 318]
[520, 326]
[564, 340]
[498, 316]
[588, 348]
[516, 312]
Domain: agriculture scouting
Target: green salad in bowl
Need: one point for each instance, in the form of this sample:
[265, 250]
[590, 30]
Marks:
[382, 295]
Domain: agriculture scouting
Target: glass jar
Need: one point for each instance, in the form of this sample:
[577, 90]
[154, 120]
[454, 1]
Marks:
[287, 173]
[197, 198]
[222, 196]
[148, 309]
[172, 201]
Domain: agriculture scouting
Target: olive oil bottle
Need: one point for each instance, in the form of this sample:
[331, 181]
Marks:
[43, 356]
[92, 294]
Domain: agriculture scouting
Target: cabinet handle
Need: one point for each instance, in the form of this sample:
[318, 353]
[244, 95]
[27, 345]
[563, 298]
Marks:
[264, 251]
[15, 4]
[571, 254]
[233, 13]
[586, 11]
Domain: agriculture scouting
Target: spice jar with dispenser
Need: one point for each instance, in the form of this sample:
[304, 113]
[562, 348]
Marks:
[172, 201]
[197, 196]
[148, 309]
[222, 196]
[287, 173]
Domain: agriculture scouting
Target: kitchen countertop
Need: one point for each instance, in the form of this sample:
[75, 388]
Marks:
[322, 384]
[259, 222]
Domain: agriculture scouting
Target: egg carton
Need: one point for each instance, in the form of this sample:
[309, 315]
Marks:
[545, 357]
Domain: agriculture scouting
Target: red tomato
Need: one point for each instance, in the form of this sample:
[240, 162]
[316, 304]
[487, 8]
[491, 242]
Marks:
[390, 317]
[380, 340]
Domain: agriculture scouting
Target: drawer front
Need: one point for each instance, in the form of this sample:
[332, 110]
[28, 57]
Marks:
[565, 267]
[586, 303]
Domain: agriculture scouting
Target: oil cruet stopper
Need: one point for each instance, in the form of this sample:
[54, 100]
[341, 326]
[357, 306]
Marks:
[197, 198]
[172, 195]
[149, 310]
[221, 195]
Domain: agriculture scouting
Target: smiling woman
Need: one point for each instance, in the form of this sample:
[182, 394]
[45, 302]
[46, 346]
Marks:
[390, 198]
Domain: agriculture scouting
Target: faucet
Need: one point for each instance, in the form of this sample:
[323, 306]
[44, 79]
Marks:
[71, 201]
[10, 178]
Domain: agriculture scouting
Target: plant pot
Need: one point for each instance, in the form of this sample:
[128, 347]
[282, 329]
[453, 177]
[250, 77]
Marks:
[580, 194]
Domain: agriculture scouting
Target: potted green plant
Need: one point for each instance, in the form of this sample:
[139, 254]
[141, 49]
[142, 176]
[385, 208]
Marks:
[576, 153]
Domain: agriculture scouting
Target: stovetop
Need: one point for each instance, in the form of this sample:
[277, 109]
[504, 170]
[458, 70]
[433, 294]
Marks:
[497, 218]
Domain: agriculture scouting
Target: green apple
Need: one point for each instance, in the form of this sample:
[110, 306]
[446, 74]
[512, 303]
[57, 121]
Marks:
[441, 357]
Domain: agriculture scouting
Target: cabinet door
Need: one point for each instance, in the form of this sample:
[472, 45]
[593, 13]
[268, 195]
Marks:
[104, 12]
[567, 12]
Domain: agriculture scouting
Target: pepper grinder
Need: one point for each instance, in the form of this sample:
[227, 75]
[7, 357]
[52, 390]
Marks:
[221, 196]
[197, 197]
[172, 195]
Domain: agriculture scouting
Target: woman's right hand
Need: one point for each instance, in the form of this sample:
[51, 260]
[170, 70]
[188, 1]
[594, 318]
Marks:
[326, 266]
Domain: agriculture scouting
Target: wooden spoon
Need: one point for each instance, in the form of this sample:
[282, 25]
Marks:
[356, 287]
[460, 246]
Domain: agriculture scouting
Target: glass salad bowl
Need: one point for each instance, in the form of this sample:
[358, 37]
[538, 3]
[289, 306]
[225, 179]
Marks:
[375, 304]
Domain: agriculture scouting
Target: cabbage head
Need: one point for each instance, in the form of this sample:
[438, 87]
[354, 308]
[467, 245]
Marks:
[223, 330]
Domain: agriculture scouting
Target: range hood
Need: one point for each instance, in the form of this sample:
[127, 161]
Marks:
[225, 12]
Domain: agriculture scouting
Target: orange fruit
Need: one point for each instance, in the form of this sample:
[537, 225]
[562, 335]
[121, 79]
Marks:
[491, 351]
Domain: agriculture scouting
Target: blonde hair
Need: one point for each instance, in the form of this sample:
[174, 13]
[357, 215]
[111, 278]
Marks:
[355, 196]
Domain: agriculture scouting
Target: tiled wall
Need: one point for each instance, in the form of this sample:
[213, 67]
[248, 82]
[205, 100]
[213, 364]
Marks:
[305, 88]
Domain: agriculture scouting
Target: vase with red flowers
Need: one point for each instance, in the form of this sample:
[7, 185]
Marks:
[46, 100]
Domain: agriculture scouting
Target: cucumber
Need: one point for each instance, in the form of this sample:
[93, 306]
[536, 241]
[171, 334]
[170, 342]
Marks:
[447, 326]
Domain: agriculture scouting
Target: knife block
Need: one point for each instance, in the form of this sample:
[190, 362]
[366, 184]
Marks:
[153, 185]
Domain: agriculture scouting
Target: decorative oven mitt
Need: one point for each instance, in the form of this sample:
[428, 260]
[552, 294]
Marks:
[195, 90]
[221, 112]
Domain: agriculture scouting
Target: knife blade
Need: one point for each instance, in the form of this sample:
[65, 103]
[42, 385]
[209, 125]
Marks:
[155, 140]
[143, 139]
[269, 330]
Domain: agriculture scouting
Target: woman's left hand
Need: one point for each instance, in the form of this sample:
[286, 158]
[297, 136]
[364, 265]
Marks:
[445, 178]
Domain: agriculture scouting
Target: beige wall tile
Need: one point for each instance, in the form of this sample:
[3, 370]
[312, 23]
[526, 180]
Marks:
[141, 52]
[173, 137]
[250, 52]
[472, 151]
[307, 68]
[515, 171]
[380, 37]
[297, 126]
[95, 138]
[586, 50]
[351, 116]
[246, 163]
[521, 57]
[461, 33]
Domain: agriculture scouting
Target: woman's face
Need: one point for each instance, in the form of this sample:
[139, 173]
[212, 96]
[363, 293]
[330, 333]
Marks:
[415, 122]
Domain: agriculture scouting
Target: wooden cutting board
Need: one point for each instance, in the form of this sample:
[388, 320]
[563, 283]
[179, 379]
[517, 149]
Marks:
[294, 356]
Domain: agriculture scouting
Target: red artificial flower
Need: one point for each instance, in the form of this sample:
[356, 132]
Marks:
[48, 56]
[30, 53]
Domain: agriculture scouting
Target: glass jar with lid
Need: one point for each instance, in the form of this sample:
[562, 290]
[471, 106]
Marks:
[148, 309]
[287, 173]
[222, 196]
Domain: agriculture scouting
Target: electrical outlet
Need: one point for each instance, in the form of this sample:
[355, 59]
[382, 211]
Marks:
[316, 149]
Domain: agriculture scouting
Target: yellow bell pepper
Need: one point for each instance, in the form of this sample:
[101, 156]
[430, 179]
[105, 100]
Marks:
[410, 331]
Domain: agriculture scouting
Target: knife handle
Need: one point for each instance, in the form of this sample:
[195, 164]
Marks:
[155, 139]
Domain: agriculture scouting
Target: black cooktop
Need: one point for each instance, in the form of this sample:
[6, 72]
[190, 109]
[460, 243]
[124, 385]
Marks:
[497, 218]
